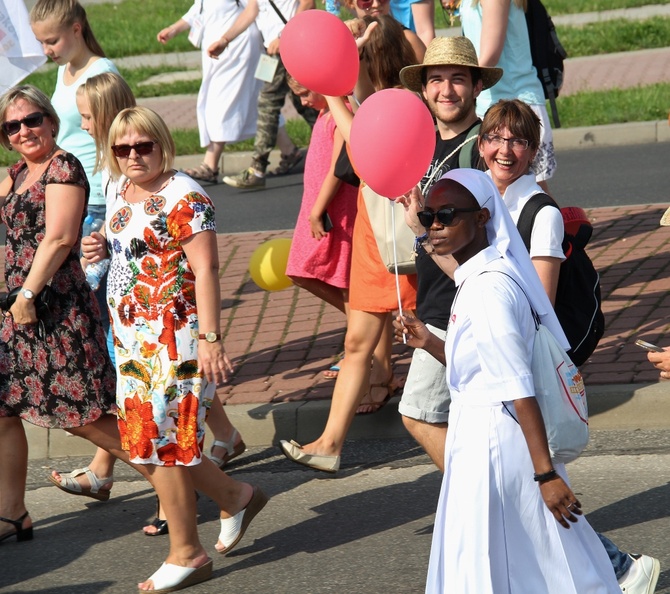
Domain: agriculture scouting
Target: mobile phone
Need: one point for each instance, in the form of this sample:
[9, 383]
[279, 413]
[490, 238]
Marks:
[326, 222]
[647, 346]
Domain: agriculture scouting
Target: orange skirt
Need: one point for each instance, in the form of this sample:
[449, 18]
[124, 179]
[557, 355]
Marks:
[372, 288]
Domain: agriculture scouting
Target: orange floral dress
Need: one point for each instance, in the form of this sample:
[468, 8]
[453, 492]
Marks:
[162, 398]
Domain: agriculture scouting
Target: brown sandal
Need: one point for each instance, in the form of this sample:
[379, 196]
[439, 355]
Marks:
[204, 173]
[368, 406]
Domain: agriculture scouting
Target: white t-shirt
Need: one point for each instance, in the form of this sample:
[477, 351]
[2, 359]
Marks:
[546, 237]
[268, 20]
[71, 137]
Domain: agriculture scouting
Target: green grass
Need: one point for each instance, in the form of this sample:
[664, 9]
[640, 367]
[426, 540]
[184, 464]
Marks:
[595, 108]
[130, 28]
[619, 35]
[556, 7]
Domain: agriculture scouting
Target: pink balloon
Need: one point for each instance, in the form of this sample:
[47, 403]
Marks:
[320, 52]
[392, 141]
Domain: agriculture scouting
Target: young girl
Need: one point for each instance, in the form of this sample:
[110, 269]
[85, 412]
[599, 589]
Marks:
[61, 26]
[228, 96]
[320, 258]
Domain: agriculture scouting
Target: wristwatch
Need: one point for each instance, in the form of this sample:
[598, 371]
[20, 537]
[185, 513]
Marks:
[28, 294]
[210, 336]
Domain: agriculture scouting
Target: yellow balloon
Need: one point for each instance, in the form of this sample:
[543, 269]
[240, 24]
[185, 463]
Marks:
[267, 266]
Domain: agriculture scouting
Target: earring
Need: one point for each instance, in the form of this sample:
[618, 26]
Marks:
[53, 132]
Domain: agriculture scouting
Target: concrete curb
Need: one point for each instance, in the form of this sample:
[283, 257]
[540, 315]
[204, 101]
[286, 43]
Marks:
[611, 407]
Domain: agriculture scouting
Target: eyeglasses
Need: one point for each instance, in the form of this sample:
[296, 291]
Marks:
[122, 151]
[33, 120]
[367, 4]
[445, 216]
[495, 141]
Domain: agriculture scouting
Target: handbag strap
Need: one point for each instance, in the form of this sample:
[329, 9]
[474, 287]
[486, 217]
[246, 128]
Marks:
[449, 156]
[279, 13]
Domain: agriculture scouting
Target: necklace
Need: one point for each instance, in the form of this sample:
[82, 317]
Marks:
[37, 171]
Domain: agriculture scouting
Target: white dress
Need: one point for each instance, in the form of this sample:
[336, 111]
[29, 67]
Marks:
[227, 101]
[493, 532]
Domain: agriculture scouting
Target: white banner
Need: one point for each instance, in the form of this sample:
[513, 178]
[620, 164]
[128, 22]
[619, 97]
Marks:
[20, 52]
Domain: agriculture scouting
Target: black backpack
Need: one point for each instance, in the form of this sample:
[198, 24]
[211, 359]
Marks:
[547, 53]
[578, 298]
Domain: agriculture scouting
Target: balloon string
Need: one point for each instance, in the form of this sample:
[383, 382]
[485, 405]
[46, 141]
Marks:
[395, 265]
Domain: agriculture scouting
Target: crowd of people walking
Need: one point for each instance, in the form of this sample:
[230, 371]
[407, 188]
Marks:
[134, 367]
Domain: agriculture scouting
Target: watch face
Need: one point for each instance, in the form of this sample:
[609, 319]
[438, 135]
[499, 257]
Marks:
[210, 337]
[28, 294]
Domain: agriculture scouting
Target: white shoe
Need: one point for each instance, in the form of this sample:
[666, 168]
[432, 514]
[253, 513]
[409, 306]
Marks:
[642, 576]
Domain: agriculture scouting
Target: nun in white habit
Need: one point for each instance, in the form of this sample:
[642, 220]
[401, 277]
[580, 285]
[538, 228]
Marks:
[507, 521]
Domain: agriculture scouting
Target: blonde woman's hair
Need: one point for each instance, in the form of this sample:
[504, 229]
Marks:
[32, 95]
[66, 13]
[107, 94]
[523, 4]
[140, 120]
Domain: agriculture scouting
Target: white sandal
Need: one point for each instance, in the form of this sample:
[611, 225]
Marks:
[69, 484]
[232, 450]
[170, 578]
[233, 528]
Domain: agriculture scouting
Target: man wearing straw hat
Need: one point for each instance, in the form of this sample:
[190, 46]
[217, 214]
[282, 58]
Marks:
[449, 80]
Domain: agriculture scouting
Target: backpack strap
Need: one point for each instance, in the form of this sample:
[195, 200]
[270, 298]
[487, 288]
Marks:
[465, 156]
[528, 213]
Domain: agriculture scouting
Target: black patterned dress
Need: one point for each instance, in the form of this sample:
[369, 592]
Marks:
[66, 379]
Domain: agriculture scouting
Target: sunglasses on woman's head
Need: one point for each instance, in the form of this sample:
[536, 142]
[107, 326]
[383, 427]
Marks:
[366, 4]
[122, 151]
[33, 120]
[445, 216]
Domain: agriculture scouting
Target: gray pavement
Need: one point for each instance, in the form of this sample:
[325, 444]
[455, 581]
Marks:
[366, 531]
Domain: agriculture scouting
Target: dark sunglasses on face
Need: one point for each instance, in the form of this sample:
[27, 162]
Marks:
[366, 4]
[122, 151]
[33, 120]
[445, 216]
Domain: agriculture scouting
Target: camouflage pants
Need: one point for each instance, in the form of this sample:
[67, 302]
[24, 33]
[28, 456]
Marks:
[270, 101]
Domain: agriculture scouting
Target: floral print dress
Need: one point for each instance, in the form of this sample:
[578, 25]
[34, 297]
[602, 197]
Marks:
[64, 379]
[162, 398]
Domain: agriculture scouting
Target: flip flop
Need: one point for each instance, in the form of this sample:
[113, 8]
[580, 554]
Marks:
[332, 371]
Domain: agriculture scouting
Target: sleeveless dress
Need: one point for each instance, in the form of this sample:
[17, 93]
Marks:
[328, 259]
[162, 398]
[66, 379]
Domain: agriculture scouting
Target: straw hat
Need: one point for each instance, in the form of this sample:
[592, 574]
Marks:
[448, 51]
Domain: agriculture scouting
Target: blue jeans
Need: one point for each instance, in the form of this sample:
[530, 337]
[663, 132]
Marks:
[621, 561]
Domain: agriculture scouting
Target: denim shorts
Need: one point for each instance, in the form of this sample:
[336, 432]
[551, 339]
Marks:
[425, 396]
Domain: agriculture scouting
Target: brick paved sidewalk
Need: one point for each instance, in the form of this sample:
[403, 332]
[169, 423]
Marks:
[282, 341]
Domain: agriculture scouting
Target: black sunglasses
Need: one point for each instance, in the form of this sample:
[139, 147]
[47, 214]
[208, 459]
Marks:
[33, 120]
[445, 216]
[122, 151]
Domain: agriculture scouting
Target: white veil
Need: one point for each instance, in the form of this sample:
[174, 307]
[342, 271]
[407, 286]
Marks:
[504, 236]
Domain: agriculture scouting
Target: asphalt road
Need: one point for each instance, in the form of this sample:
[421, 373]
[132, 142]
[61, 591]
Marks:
[589, 177]
[366, 531]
